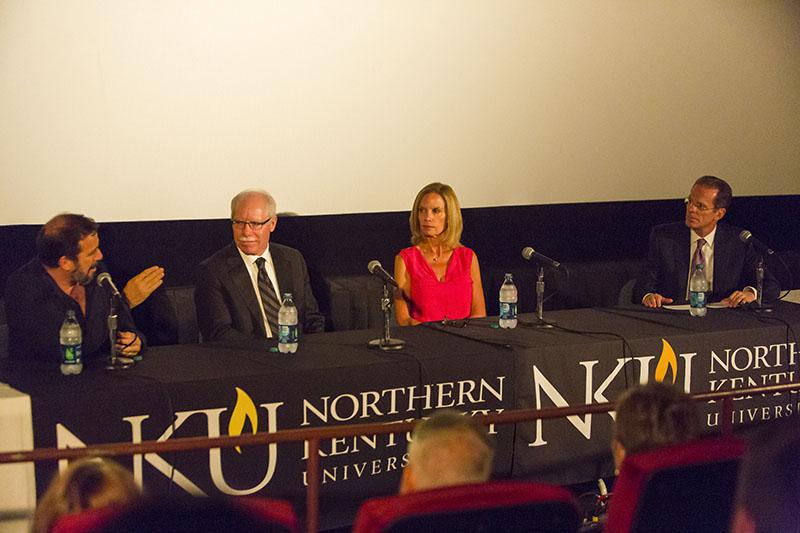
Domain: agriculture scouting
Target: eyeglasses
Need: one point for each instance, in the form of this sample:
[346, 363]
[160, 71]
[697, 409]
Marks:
[688, 202]
[252, 224]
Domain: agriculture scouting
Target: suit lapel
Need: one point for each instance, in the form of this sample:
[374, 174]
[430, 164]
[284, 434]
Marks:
[722, 260]
[682, 250]
[282, 271]
[240, 278]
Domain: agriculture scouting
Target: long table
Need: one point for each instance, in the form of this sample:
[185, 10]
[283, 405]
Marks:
[335, 378]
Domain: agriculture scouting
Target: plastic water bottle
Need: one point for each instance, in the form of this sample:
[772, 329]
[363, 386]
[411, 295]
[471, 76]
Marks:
[508, 303]
[71, 338]
[698, 287]
[287, 325]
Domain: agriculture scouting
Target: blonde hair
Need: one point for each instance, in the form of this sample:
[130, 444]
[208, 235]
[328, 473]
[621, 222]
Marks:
[454, 225]
[73, 490]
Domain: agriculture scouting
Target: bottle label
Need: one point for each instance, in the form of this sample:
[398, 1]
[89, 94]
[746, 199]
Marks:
[508, 311]
[697, 299]
[70, 354]
[287, 334]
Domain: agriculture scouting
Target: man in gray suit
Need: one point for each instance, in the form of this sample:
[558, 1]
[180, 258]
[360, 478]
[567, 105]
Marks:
[238, 289]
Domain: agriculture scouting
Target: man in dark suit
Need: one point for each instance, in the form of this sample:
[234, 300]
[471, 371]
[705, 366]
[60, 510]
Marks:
[675, 248]
[238, 289]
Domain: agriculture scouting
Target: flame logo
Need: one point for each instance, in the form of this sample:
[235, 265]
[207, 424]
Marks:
[667, 360]
[245, 409]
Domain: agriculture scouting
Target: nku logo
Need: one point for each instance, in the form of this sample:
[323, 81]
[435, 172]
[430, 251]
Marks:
[595, 384]
[244, 413]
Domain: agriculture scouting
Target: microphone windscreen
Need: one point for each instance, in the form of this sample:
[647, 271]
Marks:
[745, 236]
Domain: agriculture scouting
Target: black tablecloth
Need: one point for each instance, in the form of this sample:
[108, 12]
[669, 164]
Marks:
[334, 378]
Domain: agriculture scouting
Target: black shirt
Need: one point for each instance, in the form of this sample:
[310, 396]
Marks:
[36, 308]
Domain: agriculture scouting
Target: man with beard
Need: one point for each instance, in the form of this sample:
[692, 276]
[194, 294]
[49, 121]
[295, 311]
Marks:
[59, 279]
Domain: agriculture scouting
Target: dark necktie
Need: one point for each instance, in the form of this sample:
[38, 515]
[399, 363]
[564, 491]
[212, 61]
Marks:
[268, 297]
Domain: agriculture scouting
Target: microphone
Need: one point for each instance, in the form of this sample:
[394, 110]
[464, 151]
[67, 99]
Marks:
[529, 253]
[601, 486]
[104, 278]
[376, 269]
[747, 238]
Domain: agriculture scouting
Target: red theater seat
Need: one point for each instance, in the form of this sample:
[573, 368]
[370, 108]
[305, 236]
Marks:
[687, 487]
[275, 512]
[493, 506]
[266, 513]
[85, 521]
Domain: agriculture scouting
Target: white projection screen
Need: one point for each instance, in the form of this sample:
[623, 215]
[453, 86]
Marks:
[163, 109]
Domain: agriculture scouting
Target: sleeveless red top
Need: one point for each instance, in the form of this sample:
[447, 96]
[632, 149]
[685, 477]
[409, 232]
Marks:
[433, 300]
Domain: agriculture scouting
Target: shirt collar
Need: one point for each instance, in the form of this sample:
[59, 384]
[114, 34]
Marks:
[250, 259]
[708, 238]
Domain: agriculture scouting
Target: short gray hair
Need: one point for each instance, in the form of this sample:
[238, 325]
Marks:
[449, 449]
[268, 199]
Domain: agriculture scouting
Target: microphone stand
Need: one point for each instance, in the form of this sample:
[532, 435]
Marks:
[540, 323]
[760, 307]
[114, 362]
[386, 343]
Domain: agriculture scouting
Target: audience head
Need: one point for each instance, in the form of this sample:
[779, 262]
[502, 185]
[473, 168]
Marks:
[447, 449]
[85, 484]
[253, 217]
[768, 495]
[651, 416]
[69, 243]
[440, 200]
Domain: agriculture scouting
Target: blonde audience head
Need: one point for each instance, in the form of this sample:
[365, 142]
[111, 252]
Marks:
[86, 484]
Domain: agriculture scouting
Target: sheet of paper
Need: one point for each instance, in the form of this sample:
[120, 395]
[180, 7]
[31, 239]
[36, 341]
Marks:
[685, 307]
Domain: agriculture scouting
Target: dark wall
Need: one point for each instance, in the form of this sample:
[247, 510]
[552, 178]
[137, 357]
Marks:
[343, 244]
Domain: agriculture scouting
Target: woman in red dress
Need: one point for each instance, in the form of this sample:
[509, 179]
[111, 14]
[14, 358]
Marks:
[438, 277]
